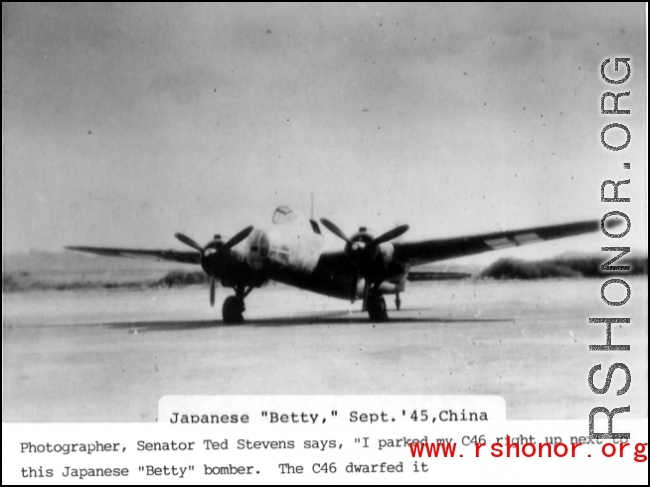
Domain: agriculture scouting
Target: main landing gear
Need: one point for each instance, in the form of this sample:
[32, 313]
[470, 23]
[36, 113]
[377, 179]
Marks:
[377, 307]
[233, 307]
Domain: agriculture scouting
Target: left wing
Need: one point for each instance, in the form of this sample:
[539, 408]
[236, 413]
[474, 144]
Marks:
[416, 253]
[183, 256]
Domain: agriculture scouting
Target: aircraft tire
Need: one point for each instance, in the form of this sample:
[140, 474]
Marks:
[377, 308]
[232, 311]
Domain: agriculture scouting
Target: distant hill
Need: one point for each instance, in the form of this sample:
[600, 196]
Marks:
[565, 265]
[78, 262]
[41, 270]
[450, 267]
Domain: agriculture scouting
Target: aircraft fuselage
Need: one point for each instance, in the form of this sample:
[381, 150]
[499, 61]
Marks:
[292, 253]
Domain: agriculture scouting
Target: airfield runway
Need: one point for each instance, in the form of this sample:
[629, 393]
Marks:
[110, 355]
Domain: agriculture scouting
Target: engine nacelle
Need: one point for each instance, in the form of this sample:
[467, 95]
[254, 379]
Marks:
[370, 258]
[385, 253]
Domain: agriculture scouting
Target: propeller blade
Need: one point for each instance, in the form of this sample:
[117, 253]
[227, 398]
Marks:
[366, 292]
[238, 238]
[212, 290]
[353, 294]
[391, 234]
[334, 229]
[188, 241]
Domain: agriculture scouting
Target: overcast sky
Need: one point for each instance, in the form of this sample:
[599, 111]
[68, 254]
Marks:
[125, 123]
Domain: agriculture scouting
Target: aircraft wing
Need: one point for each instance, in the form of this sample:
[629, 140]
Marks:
[416, 253]
[183, 256]
[335, 263]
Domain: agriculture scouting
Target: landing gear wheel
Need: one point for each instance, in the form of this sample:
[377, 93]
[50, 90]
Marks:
[233, 309]
[377, 308]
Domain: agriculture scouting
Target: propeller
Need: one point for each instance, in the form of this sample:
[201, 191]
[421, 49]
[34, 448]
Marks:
[391, 234]
[210, 260]
[362, 251]
[188, 241]
[335, 230]
[213, 286]
[384, 237]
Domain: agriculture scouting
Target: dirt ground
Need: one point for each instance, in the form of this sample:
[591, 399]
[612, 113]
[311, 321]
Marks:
[110, 355]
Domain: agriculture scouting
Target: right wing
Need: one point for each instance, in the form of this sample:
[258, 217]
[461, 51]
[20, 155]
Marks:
[416, 253]
[183, 256]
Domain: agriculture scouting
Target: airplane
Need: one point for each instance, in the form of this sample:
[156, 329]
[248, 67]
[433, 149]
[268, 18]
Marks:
[291, 252]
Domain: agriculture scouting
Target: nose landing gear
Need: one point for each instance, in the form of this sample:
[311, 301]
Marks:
[377, 307]
[234, 307]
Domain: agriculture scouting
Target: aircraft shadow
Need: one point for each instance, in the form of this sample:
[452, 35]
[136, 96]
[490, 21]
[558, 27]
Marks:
[301, 320]
[146, 326]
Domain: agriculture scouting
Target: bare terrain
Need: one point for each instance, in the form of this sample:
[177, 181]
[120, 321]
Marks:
[109, 355]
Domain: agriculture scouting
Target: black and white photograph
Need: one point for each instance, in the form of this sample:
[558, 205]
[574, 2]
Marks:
[322, 199]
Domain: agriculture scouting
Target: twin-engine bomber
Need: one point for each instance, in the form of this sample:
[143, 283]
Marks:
[291, 252]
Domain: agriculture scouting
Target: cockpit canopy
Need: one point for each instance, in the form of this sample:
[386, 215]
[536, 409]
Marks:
[286, 216]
